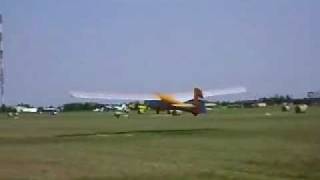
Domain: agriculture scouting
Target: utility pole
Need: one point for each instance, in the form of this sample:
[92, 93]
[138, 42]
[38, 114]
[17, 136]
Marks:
[1, 65]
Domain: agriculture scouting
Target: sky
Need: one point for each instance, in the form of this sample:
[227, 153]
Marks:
[54, 46]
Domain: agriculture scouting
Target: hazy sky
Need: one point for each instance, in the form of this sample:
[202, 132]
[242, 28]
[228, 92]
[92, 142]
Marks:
[53, 46]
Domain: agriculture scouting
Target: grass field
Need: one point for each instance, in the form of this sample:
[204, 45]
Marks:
[225, 144]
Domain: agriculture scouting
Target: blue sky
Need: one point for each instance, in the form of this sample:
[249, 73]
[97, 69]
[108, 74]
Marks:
[54, 46]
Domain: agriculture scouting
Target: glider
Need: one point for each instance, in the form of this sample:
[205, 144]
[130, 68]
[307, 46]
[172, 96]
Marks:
[188, 101]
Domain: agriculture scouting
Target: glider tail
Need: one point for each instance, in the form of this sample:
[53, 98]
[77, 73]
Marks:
[198, 102]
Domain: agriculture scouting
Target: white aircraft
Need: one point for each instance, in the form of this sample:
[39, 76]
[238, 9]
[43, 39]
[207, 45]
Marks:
[21, 109]
[122, 108]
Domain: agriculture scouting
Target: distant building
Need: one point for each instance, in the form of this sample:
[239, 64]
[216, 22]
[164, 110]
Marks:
[313, 94]
[314, 98]
[252, 103]
[260, 104]
[248, 103]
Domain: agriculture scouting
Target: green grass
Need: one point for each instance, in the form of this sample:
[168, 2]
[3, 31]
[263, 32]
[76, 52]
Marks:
[225, 144]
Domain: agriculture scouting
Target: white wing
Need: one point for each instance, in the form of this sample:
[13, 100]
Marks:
[112, 96]
[140, 97]
[220, 92]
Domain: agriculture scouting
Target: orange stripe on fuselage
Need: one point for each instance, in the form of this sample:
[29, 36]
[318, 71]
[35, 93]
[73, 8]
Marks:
[169, 99]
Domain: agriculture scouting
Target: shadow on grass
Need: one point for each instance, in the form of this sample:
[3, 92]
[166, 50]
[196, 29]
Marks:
[161, 176]
[73, 137]
[133, 132]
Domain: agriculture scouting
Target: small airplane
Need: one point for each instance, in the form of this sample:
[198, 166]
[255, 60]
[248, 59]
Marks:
[120, 108]
[162, 101]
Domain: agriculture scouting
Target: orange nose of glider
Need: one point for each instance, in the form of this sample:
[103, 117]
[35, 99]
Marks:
[167, 98]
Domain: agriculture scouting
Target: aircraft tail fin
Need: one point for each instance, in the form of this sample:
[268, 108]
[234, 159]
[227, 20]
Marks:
[198, 102]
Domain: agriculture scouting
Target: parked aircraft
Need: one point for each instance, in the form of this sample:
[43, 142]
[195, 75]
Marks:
[122, 108]
[163, 101]
[115, 107]
[21, 109]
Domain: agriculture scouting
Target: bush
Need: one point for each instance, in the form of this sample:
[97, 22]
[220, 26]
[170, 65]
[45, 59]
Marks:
[5, 108]
[80, 106]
